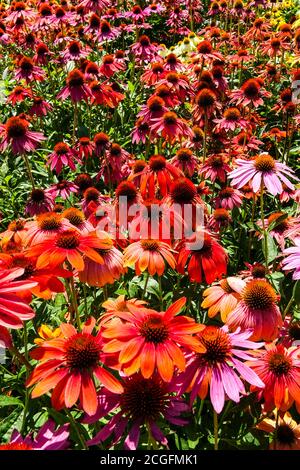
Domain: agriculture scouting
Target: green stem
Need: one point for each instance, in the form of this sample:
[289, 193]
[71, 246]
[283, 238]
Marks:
[145, 286]
[75, 122]
[160, 294]
[28, 168]
[26, 405]
[75, 427]
[287, 308]
[74, 302]
[263, 223]
[216, 431]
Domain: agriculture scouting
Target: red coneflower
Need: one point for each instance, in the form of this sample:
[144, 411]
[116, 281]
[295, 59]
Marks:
[171, 127]
[28, 71]
[186, 161]
[62, 156]
[68, 366]
[205, 262]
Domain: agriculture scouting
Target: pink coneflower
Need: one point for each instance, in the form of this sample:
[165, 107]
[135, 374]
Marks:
[250, 93]
[168, 94]
[205, 104]
[228, 198]
[75, 51]
[263, 170]
[292, 261]
[42, 55]
[47, 438]
[177, 84]
[45, 226]
[220, 81]
[136, 13]
[106, 32]
[62, 156]
[231, 121]
[205, 52]
[257, 311]
[275, 46]
[75, 88]
[40, 107]
[29, 72]
[110, 66]
[94, 5]
[154, 109]
[143, 403]
[62, 189]
[140, 131]
[215, 168]
[85, 147]
[219, 218]
[220, 367]
[186, 161]
[171, 127]
[18, 95]
[38, 203]
[114, 164]
[20, 10]
[144, 50]
[16, 133]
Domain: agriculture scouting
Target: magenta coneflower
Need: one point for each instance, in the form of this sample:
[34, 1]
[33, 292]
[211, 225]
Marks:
[62, 189]
[85, 147]
[47, 438]
[215, 168]
[106, 32]
[140, 131]
[75, 88]
[154, 109]
[205, 104]
[171, 127]
[257, 311]
[16, 133]
[250, 93]
[40, 107]
[38, 203]
[186, 161]
[220, 367]
[228, 198]
[62, 156]
[75, 51]
[143, 403]
[231, 121]
[263, 170]
[94, 5]
[144, 50]
[101, 141]
[28, 71]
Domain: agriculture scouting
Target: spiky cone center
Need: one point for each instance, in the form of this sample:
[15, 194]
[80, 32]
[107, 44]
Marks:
[74, 47]
[37, 195]
[75, 78]
[285, 435]
[82, 352]
[264, 163]
[74, 216]
[251, 88]
[68, 240]
[127, 189]
[61, 148]
[49, 222]
[279, 364]
[259, 295]
[157, 163]
[205, 98]
[26, 64]
[91, 194]
[154, 330]
[205, 47]
[184, 155]
[170, 119]
[217, 344]
[183, 191]
[232, 114]
[16, 127]
[144, 399]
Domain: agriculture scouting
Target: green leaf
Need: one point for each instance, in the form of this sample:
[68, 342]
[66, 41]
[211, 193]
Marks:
[10, 401]
[271, 247]
[296, 292]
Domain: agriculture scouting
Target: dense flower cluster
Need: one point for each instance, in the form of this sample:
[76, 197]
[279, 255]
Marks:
[150, 228]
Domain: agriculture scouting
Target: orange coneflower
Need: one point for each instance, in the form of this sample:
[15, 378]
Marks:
[286, 432]
[150, 255]
[69, 245]
[68, 365]
[149, 339]
[222, 297]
